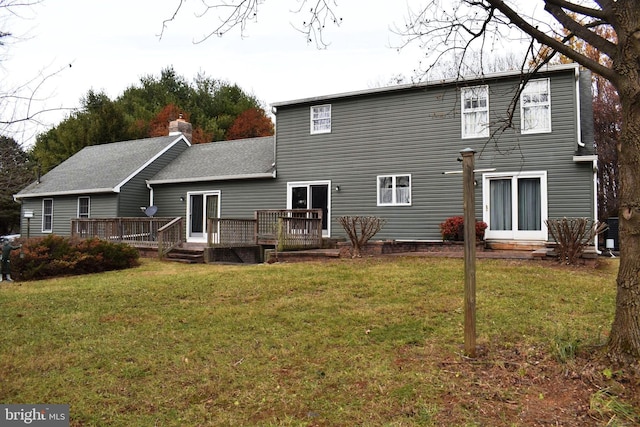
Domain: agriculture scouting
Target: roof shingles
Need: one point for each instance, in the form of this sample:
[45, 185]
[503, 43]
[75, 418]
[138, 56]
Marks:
[99, 168]
[240, 158]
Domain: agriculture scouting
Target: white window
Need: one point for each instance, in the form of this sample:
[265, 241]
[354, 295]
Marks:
[83, 207]
[321, 119]
[394, 190]
[475, 112]
[47, 215]
[535, 107]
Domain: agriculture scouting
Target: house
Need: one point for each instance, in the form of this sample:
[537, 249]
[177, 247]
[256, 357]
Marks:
[384, 152]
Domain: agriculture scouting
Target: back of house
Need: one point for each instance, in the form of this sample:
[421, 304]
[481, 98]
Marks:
[394, 153]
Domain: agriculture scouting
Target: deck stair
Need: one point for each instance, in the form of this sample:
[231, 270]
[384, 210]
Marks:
[187, 255]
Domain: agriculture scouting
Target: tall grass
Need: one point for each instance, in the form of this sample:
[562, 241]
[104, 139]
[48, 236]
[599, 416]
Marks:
[353, 342]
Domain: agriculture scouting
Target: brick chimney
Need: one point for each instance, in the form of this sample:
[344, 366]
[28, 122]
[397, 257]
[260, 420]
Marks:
[181, 126]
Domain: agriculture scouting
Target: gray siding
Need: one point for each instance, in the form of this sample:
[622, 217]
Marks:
[238, 199]
[135, 193]
[418, 132]
[65, 208]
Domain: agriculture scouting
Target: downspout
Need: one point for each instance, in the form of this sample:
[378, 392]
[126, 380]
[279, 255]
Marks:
[578, 109]
[594, 161]
[150, 193]
[595, 203]
[274, 111]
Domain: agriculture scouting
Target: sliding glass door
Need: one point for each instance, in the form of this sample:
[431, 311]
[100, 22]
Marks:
[515, 206]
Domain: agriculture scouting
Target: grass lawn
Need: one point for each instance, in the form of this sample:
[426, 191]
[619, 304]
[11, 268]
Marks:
[372, 342]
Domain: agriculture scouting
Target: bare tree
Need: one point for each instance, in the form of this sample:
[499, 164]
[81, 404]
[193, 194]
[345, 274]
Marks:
[445, 27]
[22, 105]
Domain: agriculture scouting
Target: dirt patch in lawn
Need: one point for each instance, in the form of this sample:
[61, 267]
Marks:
[515, 386]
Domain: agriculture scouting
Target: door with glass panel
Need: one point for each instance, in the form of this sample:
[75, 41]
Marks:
[201, 207]
[311, 195]
[515, 207]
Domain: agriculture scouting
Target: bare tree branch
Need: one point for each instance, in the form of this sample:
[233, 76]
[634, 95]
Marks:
[23, 101]
[237, 14]
[553, 43]
[579, 9]
[581, 31]
[173, 17]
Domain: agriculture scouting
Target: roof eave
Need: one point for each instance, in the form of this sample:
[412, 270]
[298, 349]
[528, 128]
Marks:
[65, 193]
[424, 85]
[211, 178]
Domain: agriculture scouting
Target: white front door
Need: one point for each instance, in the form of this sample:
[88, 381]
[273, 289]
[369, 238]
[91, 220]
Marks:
[515, 206]
[201, 207]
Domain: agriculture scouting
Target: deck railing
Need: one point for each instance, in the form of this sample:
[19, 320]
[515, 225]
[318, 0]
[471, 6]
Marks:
[290, 228]
[284, 228]
[135, 231]
[170, 236]
[231, 232]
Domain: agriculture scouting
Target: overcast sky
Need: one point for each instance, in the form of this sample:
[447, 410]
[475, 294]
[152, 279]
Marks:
[111, 44]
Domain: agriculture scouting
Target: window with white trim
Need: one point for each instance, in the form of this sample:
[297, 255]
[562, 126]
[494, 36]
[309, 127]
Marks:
[535, 107]
[47, 215]
[84, 207]
[321, 119]
[475, 112]
[394, 190]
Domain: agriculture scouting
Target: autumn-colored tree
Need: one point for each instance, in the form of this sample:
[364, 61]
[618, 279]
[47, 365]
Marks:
[159, 125]
[251, 123]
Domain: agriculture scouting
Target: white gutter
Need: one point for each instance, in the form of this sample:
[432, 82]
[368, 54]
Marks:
[211, 178]
[16, 197]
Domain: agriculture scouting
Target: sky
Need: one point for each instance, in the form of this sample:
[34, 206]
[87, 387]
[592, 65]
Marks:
[111, 44]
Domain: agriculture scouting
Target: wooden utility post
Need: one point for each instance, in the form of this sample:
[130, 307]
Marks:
[469, 205]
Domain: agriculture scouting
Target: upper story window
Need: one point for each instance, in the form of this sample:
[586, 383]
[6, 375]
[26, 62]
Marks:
[321, 119]
[535, 107]
[394, 190]
[475, 112]
[83, 207]
[47, 215]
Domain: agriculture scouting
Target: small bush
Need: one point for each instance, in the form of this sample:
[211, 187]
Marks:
[360, 229]
[453, 229]
[573, 235]
[53, 256]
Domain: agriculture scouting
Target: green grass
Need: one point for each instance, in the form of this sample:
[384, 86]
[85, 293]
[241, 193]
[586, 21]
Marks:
[341, 343]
